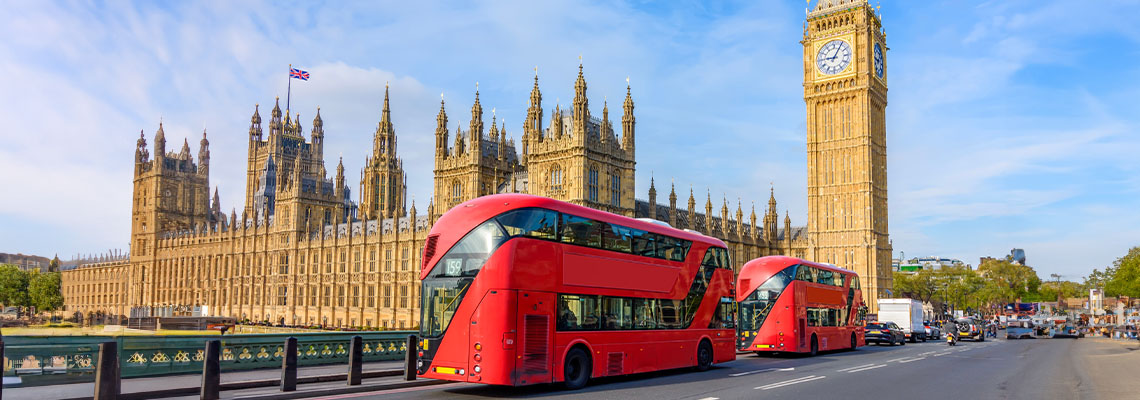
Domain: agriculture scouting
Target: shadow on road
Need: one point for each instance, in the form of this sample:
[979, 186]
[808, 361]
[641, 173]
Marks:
[596, 386]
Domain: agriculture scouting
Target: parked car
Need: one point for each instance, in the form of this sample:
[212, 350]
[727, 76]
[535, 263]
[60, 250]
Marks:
[932, 330]
[1020, 329]
[1066, 331]
[884, 332]
[970, 329]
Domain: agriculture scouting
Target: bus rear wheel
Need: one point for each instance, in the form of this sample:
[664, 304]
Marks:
[704, 356]
[576, 369]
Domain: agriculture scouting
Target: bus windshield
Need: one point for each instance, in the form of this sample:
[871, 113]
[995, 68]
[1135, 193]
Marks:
[755, 308]
[444, 287]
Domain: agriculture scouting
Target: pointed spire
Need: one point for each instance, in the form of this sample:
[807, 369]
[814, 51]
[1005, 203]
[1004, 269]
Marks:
[441, 128]
[627, 120]
[475, 132]
[581, 103]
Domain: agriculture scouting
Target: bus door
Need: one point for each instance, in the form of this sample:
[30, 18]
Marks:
[535, 341]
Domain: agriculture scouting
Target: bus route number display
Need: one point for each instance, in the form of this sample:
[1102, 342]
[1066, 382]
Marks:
[454, 267]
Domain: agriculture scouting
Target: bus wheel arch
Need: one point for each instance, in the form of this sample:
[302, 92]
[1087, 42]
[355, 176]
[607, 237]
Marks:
[577, 366]
[704, 354]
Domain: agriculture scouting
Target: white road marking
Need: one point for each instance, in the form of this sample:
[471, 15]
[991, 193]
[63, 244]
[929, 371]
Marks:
[929, 352]
[867, 368]
[942, 354]
[710, 398]
[763, 370]
[851, 368]
[790, 382]
[912, 360]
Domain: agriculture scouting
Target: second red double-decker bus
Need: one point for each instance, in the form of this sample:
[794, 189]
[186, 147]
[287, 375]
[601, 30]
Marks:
[792, 305]
[520, 290]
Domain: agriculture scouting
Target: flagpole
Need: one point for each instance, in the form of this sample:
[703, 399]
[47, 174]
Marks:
[289, 90]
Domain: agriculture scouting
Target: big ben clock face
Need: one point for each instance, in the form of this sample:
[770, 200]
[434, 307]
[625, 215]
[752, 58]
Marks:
[833, 57]
[879, 61]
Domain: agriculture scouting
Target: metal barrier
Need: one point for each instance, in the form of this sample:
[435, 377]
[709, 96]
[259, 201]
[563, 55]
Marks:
[46, 360]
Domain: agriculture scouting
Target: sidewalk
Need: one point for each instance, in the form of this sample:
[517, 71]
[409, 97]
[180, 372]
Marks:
[135, 385]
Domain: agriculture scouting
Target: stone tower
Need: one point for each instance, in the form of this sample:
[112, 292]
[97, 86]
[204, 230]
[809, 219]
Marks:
[382, 181]
[845, 91]
[286, 177]
[477, 164]
[579, 158]
[171, 192]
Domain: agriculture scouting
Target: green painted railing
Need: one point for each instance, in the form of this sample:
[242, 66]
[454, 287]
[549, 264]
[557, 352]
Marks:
[66, 359]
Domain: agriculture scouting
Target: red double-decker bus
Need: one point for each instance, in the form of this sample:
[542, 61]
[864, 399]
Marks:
[521, 290]
[793, 305]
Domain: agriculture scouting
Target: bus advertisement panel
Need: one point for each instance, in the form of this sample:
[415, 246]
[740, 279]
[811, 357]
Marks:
[793, 305]
[521, 290]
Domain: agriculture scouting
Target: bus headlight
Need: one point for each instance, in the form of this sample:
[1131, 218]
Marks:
[477, 369]
[419, 364]
[461, 371]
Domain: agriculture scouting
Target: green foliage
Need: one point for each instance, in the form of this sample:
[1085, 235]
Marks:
[1123, 278]
[45, 291]
[13, 286]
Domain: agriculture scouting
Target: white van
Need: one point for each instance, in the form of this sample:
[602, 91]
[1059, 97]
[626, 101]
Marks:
[907, 314]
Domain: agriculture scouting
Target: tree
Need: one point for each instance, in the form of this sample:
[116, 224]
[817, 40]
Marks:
[1125, 278]
[45, 291]
[13, 286]
[919, 286]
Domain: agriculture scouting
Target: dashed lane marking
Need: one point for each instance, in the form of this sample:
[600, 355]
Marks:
[867, 368]
[851, 368]
[763, 370]
[942, 354]
[789, 382]
[710, 398]
[912, 360]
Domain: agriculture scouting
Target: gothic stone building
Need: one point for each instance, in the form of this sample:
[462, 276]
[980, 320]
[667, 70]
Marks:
[302, 252]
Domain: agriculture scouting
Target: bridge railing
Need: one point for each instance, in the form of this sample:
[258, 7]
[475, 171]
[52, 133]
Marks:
[42, 360]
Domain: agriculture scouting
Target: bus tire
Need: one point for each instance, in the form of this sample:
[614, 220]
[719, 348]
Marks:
[814, 346]
[576, 369]
[704, 355]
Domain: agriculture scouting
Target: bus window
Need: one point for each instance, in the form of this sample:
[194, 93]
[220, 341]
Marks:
[576, 230]
[643, 243]
[666, 247]
[577, 313]
[839, 278]
[725, 315]
[672, 314]
[617, 313]
[618, 238]
[806, 274]
[645, 314]
[711, 258]
[725, 262]
[824, 276]
[532, 222]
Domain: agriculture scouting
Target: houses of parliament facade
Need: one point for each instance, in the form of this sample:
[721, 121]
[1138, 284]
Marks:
[305, 250]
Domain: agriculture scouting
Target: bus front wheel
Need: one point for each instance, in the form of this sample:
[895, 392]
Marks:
[704, 356]
[576, 371]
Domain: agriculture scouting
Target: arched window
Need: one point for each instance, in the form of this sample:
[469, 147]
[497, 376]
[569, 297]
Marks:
[615, 190]
[556, 178]
[592, 185]
[456, 192]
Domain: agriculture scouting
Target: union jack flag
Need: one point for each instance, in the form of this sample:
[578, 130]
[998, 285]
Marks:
[299, 74]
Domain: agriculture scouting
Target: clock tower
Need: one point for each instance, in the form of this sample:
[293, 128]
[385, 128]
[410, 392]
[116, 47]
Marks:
[845, 91]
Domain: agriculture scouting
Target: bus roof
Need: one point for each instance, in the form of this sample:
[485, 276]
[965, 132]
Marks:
[461, 219]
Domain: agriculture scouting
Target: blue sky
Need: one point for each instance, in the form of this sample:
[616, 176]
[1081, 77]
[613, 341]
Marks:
[1010, 123]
